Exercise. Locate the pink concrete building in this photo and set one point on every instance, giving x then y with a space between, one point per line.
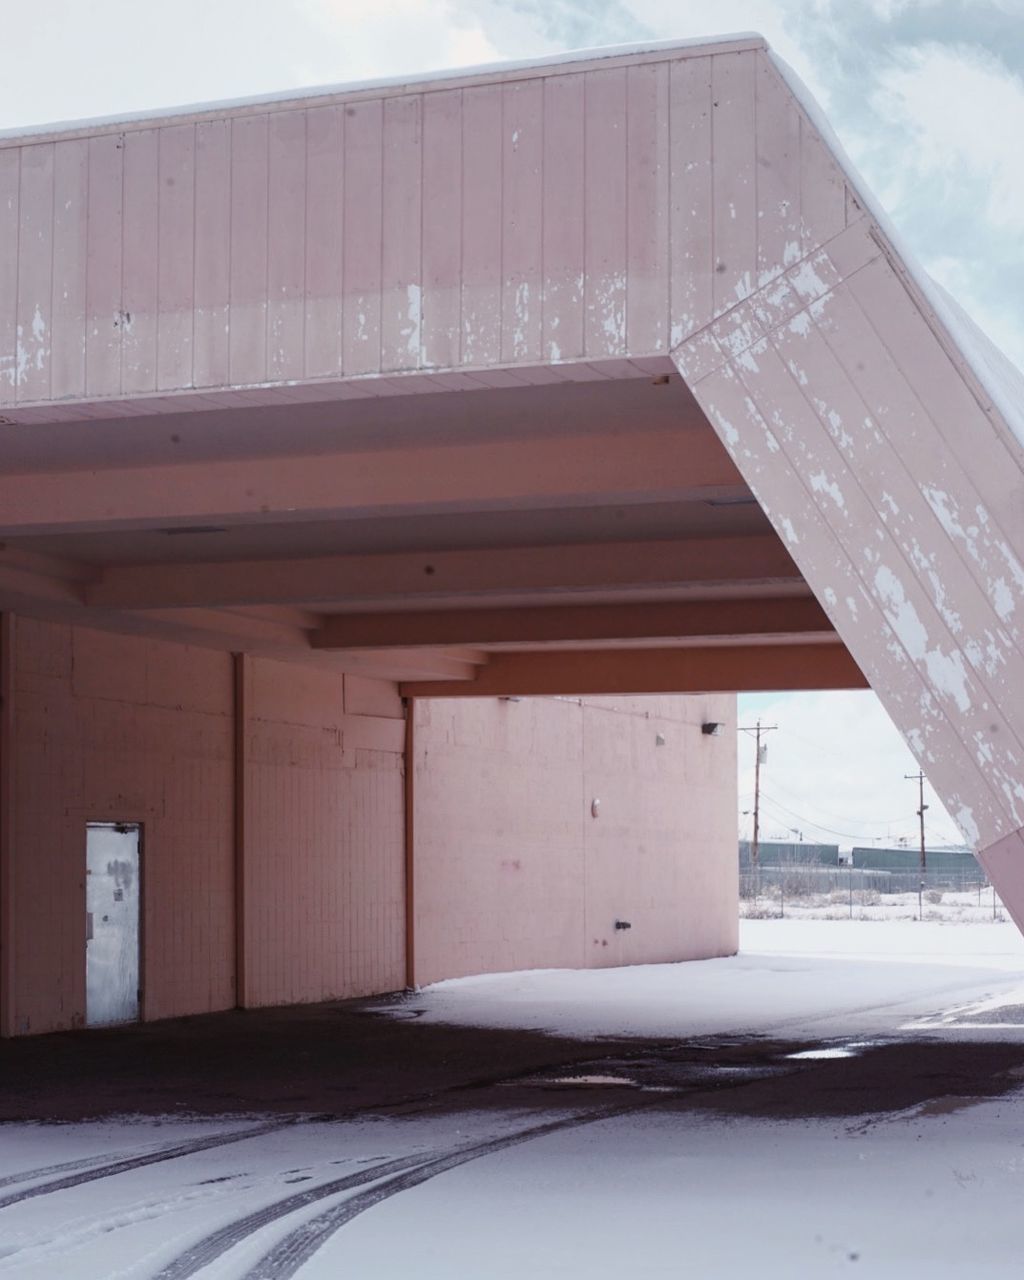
600 376
287 852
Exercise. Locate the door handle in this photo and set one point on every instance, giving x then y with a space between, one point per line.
88 926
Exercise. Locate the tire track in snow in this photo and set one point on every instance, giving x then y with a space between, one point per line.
385 1179
296 1248
211 1247
79 1172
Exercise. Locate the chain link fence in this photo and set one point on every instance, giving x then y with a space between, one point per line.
804 890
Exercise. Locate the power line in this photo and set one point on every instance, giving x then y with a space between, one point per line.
871 822
817 826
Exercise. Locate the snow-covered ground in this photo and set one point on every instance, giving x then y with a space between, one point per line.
668 1188
792 977
935 905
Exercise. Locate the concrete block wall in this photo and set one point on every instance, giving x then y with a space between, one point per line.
325 836
273 809
110 728
513 869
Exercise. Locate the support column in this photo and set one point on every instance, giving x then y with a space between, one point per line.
409 768
7 974
242 709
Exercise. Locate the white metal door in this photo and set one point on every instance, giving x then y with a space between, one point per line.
112 923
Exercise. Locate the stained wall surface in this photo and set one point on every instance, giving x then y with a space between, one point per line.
513 868
561 214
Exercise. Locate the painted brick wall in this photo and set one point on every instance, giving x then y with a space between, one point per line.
325 888
513 870
111 728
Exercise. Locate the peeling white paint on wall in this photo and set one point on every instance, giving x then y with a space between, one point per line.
410 331
789 531
820 483
945 670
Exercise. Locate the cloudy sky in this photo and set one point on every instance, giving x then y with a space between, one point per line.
926 95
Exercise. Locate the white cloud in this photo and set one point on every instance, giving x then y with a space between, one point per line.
835 771
779 23
997 313
391 37
962 112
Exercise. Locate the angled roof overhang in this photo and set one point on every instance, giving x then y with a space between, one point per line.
599 373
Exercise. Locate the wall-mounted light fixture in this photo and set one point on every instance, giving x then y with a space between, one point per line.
595 807
712 728
659 739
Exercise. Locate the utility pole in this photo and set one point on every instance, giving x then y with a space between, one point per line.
759 756
919 779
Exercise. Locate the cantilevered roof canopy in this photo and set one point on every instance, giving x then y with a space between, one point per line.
586 375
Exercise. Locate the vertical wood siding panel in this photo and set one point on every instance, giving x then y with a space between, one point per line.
176 256
70 200
947 482
779 225
481 226
606 202
757 448
822 190
563 217
968 434
402 214
212 287
249 209
442 228
647 305
522 212
35 274
362 223
325 140
10 177
141 256
104 319
286 246
860 464
734 178
692 242
895 585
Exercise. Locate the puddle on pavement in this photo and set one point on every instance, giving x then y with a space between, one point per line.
576 1082
852 1050
647 1077
822 1053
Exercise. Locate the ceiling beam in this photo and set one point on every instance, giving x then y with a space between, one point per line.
624 466
730 669
558 624
449 665
406 576
27 579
